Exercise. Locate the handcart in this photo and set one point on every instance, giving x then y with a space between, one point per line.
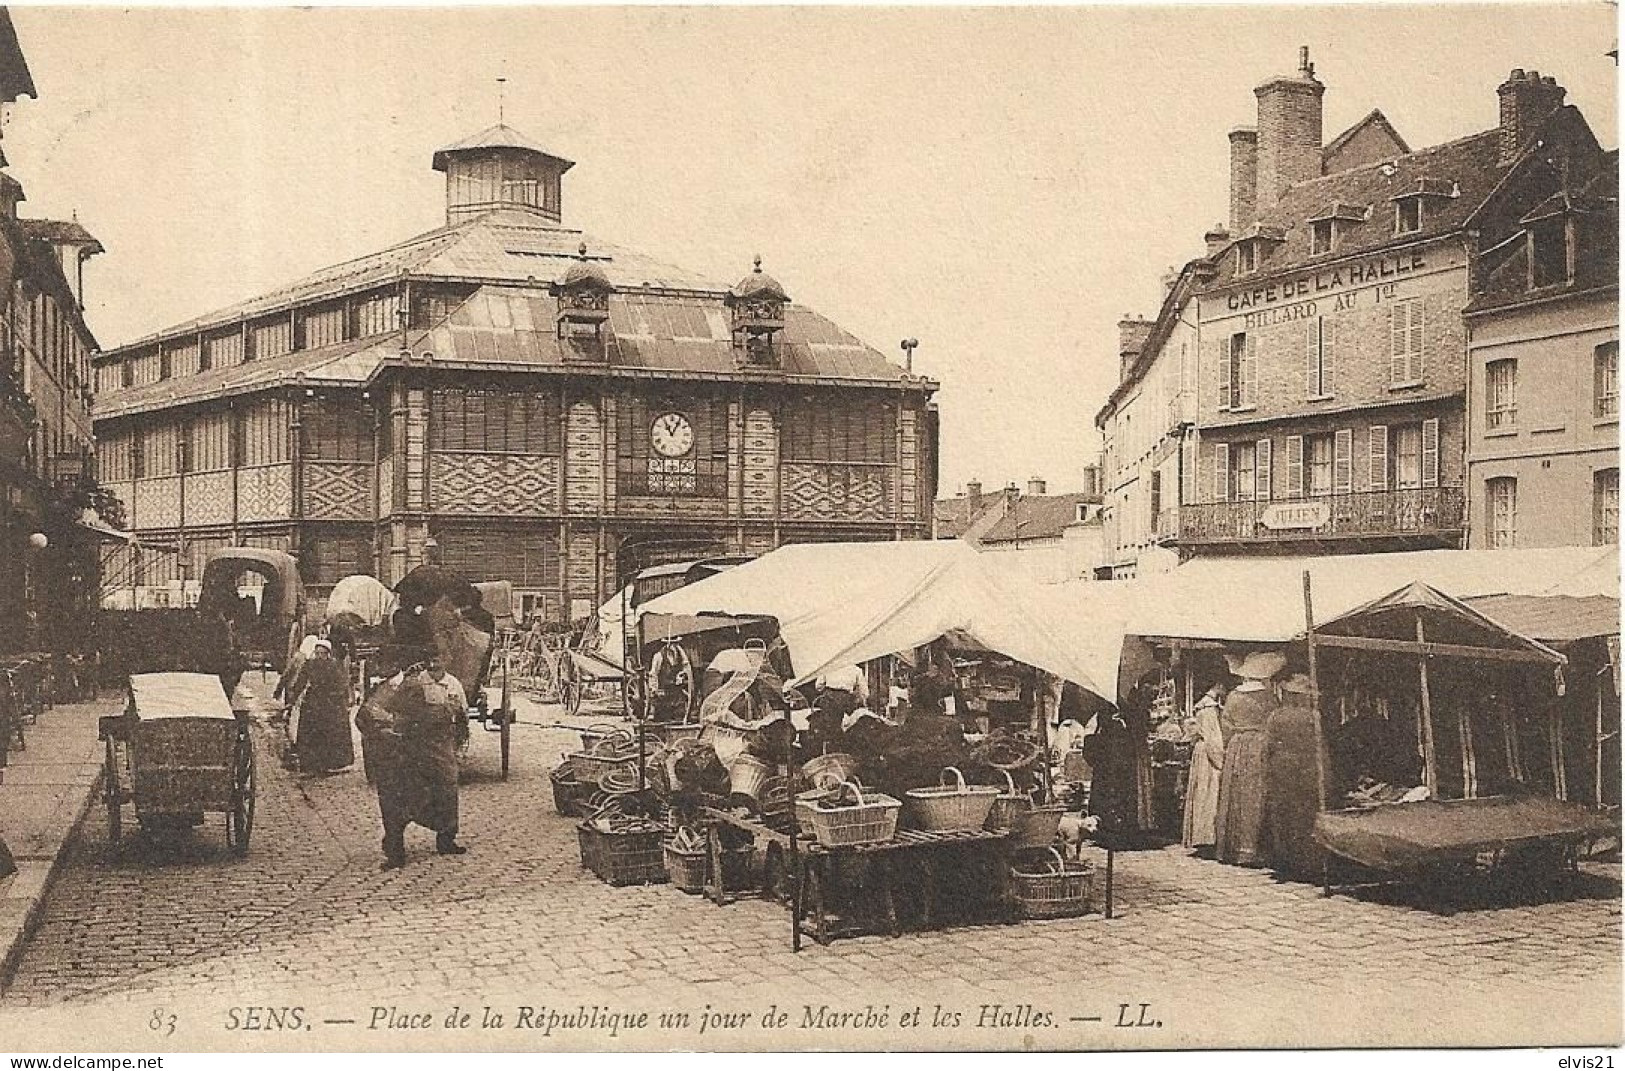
177 752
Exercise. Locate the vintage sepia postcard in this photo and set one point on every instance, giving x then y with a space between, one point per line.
809 528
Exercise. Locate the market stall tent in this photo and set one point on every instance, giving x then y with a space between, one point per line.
840 604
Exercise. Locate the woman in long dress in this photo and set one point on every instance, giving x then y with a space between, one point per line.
1292 797
1239 830
1207 761
323 740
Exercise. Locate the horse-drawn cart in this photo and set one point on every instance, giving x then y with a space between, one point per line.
177 752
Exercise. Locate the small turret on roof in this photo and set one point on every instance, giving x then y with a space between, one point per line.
501 168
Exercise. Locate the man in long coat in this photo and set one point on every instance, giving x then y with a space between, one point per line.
414 736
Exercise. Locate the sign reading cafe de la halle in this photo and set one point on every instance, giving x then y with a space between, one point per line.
514 397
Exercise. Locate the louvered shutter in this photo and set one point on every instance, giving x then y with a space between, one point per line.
1414 341
1311 358
1294 466
1396 344
1379 457
1343 461
1221 472
1328 355
1222 374
1261 481
1430 453
1249 372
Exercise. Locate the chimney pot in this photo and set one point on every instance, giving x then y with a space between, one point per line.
1215 240
1526 101
973 493
1036 486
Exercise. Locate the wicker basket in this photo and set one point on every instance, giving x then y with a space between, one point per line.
690 869
1008 808
616 752
830 769
1060 890
1038 827
872 820
629 858
950 808
568 793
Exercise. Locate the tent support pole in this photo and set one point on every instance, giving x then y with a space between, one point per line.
1048 783
1320 730
1598 749
1430 767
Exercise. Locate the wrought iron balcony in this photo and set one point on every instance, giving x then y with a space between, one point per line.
1437 512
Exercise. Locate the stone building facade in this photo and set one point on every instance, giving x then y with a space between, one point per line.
1330 411
516 400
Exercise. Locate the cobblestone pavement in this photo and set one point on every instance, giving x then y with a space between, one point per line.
308 908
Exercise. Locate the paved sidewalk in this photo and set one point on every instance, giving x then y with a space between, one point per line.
44 790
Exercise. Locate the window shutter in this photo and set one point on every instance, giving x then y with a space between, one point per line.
1415 341
1221 472
1396 343
1222 367
1430 453
1343 461
1262 481
1379 457
1311 358
1249 372
1294 466
1328 354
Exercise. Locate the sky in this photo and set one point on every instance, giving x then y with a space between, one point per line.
1003 184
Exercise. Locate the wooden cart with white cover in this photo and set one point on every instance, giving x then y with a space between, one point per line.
179 751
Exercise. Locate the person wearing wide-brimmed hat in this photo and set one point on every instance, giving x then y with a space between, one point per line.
1239 828
1292 782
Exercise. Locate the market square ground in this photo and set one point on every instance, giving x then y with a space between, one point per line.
1221 954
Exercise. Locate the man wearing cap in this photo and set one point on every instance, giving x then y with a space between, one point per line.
323 739
1240 824
414 731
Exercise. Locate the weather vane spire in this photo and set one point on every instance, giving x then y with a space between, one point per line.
502 102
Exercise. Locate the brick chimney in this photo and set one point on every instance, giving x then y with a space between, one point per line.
1036 486
1526 99
1215 240
1011 493
1243 178
1091 482
973 496
1289 132
1131 335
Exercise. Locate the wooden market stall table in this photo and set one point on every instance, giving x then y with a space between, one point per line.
814 866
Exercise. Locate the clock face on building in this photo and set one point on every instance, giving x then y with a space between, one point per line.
672 435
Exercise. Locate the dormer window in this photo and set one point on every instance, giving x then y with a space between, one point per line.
1550 260
1407 215
1246 258
1322 233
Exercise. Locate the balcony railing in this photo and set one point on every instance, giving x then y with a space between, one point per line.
1420 511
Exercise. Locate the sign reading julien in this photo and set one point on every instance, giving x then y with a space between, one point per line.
671 468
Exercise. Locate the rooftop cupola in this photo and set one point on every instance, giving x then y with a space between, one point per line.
583 292
758 315
500 168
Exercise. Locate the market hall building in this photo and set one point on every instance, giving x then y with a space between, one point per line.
1331 411
511 398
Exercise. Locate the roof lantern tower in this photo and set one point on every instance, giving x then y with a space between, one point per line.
501 168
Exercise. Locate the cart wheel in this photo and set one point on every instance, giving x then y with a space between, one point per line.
507 737
111 793
240 823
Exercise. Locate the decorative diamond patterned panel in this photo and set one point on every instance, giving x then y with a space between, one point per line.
386 487
158 502
208 498
837 492
494 484
584 482
265 494
909 456
337 491
761 459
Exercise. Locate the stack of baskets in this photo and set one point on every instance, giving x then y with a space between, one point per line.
570 793
846 816
623 850
616 751
950 808
1052 886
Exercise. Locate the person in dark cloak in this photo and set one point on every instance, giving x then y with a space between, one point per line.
323 742
415 751
1292 783
1120 767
